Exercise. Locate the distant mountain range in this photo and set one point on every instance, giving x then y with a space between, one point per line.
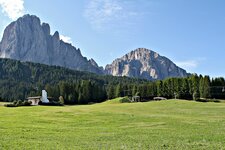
28 40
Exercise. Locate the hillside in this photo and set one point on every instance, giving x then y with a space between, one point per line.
18 80
169 124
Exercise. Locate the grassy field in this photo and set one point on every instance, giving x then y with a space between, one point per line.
170 124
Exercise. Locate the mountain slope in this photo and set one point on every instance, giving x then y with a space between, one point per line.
18 80
144 63
28 40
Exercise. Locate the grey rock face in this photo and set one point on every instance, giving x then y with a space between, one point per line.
144 63
28 40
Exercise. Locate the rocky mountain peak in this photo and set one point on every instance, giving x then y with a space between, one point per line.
92 61
46 28
141 54
144 63
56 35
29 19
26 39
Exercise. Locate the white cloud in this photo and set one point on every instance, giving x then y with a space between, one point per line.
103 13
188 64
191 64
12 8
66 39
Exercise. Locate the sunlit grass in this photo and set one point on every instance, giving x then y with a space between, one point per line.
171 124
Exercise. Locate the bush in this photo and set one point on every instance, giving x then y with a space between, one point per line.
208 100
18 103
10 105
53 103
216 101
15 102
26 103
125 100
61 100
91 103
196 96
202 100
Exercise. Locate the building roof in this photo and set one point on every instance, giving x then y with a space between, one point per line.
36 97
159 98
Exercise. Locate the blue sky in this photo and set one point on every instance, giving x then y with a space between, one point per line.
189 32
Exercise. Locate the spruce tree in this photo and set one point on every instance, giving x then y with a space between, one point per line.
206 92
118 92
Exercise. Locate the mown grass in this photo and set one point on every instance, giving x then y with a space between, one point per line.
171 124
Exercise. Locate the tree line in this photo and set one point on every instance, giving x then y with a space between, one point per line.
19 80
191 88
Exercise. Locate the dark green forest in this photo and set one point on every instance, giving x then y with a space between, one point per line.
19 80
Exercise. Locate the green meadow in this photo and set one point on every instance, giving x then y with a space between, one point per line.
170 124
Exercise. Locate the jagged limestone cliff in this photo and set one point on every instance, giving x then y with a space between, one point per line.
28 40
144 63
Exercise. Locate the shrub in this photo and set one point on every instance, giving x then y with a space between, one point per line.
10 105
61 100
15 102
216 101
91 103
26 103
196 96
53 103
18 103
125 100
208 100
202 100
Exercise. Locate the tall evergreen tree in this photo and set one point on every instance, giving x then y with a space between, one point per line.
206 92
185 89
194 87
110 92
205 87
118 91
159 88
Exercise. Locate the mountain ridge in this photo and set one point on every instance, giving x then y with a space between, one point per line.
146 64
27 39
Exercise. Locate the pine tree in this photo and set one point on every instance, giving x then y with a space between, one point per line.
185 89
159 88
134 90
195 86
205 87
110 92
206 93
118 92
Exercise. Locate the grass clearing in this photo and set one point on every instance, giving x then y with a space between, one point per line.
171 124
